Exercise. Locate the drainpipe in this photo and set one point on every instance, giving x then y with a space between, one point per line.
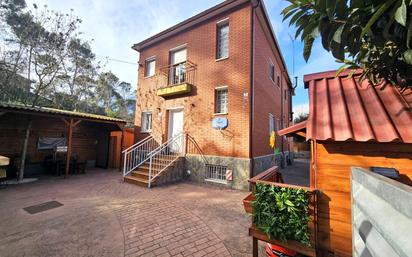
255 4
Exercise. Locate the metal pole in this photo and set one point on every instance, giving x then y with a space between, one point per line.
150 172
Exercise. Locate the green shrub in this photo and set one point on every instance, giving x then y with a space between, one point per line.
282 213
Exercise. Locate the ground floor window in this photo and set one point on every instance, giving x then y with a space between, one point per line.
146 122
216 173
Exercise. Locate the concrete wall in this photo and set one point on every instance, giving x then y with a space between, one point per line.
174 174
381 215
240 167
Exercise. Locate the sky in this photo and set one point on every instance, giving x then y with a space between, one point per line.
115 25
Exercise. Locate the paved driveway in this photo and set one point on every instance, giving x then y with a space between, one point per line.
101 216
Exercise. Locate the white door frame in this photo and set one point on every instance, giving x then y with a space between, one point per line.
171 123
169 127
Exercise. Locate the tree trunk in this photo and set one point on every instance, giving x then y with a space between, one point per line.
24 152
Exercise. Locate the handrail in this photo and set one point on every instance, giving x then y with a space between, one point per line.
161 147
166 158
137 144
138 154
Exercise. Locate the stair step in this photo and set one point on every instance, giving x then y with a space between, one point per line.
136 181
143 174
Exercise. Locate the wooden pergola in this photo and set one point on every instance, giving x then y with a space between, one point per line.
71 120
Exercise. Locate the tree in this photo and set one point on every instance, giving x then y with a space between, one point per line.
375 36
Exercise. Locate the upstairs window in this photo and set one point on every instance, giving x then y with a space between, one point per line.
150 67
278 80
146 122
271 71
271 123
221 101
222 40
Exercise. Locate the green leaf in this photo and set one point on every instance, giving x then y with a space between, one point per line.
401 14
307 49
376 16
337 37
407 56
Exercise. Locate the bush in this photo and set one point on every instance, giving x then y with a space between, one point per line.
282 213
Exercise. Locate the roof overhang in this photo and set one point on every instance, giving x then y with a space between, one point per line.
57 113
297 129
186 24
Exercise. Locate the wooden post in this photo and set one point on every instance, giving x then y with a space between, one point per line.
71 124
69 147
255 247
121 150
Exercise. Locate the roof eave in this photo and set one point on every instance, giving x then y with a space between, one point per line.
205 15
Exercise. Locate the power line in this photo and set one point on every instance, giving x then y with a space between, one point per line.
117 60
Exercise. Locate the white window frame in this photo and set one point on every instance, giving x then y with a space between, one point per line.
147 61
219 25
272 71
271 123
216 105
144 122
216 173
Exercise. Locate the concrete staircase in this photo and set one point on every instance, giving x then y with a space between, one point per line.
160 167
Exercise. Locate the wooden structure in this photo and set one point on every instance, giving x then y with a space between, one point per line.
86 135
117 146
351 125
274 178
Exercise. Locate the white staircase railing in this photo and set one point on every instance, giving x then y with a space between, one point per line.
165 155
137 154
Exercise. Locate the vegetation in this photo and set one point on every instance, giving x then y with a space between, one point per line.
44 62
282 213
375 36
301 117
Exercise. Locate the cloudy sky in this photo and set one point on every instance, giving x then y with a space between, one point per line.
115 25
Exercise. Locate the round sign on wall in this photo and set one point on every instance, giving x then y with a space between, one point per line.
219 123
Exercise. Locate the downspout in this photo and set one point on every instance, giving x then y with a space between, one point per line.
252 86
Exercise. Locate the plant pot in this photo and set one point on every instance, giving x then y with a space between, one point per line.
247 203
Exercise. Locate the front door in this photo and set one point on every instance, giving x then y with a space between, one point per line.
175 128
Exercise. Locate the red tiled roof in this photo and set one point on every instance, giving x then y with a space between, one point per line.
340 109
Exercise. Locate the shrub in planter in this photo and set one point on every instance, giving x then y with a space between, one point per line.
282 213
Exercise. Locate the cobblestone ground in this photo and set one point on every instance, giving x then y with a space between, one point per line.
102 216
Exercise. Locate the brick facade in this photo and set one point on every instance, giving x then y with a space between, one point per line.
234 72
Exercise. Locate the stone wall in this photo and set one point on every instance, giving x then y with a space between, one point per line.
196 164
174 174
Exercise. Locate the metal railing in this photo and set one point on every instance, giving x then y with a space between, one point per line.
138 153
165 155
177 74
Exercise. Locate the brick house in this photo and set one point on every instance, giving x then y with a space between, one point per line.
220 77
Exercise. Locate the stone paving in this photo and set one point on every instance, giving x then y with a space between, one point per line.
102 216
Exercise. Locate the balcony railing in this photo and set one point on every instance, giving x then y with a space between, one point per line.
176 79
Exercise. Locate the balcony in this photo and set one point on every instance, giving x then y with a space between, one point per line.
176 79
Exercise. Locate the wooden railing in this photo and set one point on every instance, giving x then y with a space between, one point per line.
273 177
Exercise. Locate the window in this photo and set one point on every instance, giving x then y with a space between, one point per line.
277 128
216 173
221 100
178 71
271 123
150 67
278 81
272 71
222 40
146 122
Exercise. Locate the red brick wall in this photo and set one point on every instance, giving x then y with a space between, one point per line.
268 95
233 72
